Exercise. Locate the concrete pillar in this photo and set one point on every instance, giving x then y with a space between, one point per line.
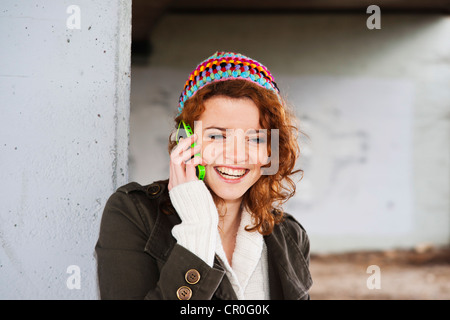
64 88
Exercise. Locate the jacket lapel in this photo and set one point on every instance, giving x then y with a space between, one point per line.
225 290
161 241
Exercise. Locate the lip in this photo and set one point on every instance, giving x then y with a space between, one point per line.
232 180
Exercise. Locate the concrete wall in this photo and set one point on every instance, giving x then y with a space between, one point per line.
374 103
63 140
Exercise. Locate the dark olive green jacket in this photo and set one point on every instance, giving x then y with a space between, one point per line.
138 258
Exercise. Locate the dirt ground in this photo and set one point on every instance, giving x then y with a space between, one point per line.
420 274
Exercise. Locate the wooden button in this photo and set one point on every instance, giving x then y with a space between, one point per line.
184 293
192 276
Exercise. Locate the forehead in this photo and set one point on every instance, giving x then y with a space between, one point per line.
230 113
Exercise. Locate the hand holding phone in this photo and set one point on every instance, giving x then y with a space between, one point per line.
185 159
184 130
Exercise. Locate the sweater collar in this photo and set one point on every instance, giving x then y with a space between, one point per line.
246 255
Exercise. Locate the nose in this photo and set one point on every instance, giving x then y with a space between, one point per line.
236 149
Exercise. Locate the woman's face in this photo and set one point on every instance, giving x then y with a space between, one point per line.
232 146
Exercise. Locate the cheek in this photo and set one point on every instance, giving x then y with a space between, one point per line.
210 151
256 175
258 155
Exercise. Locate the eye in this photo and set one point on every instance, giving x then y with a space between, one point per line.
258 140
215 136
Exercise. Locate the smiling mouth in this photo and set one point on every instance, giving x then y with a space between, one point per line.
231 174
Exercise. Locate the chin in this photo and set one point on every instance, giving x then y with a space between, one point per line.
229 195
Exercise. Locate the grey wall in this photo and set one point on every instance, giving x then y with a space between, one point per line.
63 140
374 103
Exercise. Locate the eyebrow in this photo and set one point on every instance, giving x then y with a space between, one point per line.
221 129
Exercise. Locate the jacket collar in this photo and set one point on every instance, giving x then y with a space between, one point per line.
286 281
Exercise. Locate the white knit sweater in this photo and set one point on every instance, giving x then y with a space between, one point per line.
199 234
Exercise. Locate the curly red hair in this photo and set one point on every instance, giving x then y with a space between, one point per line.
265 198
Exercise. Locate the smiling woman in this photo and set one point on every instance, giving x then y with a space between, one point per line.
224 237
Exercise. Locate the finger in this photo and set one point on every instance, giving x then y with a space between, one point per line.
177 173
182 151
188 154
178 158
197 160
184 144
178 164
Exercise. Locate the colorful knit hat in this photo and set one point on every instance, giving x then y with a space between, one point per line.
223 66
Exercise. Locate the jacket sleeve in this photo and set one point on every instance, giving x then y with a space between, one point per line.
126 271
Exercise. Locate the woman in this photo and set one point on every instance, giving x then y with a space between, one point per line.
224 237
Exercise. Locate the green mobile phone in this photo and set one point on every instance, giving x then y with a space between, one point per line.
184 131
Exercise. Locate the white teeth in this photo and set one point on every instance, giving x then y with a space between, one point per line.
231 173
234 172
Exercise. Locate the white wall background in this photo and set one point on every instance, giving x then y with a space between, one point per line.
63 140
374 103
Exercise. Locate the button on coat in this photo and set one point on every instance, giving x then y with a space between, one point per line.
184 293
192 276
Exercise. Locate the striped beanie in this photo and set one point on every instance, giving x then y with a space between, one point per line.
223 66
